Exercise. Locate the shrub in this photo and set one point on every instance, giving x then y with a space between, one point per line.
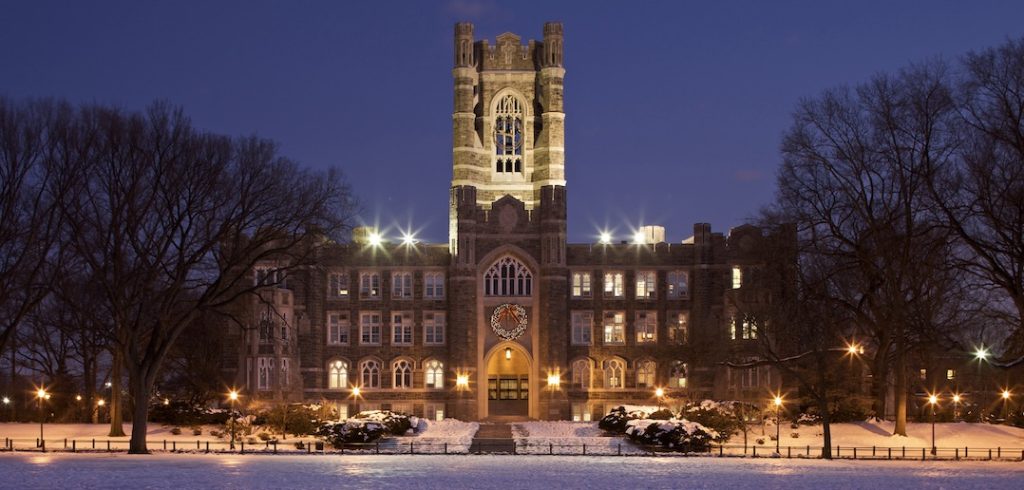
351 431
615 421
678 435
263 436
724 418
395 423
197 431
216 433
176 431
663 414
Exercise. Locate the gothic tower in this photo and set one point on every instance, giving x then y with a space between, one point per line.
508 122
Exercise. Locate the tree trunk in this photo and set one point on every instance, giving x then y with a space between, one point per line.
901 388
116 418
880 380
826 428
140 413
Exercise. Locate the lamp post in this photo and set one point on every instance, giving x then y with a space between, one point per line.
778 422
232 397
660 394
461 385
956 406
932 400
41 396
1006 401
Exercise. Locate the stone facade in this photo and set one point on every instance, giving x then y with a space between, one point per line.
601 324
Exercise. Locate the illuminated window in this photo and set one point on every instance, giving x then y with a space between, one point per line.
677 375
369 328
678 326
613 285
737 277
924 374
337 328
581 285
508 135
646 326
645 372
582 327
402 371
508 277
581 374
370 373
337 375
581 412
401 328
433 285
434 411
369 285
613 370
951 374
433 327
614 328
338 285
645 285
678 285
745 329
401 285
434 374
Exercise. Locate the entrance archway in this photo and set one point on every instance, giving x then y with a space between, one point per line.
508 381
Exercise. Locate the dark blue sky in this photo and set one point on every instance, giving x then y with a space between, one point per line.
674 109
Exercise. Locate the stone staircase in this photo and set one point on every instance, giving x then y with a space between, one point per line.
494 436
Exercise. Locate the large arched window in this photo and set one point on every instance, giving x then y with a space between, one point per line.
402 373
508 277
508 135
581 374
613 371
337 375
434 374
370 373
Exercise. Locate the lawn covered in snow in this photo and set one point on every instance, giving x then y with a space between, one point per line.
564 437
63 470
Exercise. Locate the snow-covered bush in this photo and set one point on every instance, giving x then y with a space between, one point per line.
724 418
396 423
675 434
615 421
350 431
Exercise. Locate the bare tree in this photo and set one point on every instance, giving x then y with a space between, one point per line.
170 222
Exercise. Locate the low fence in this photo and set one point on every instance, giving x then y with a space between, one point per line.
398 446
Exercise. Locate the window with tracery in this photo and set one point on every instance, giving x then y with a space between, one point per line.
581 374
337 375
645 372
508 277
434 374
508 135
613 370
403 374
370 374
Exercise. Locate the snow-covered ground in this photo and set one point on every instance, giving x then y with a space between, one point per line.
563 437
456 434
64 470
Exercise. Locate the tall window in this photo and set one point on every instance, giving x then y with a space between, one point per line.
581 374
677 375
369 372
338 285
614 328
433 285
613 285
369 285
265 372
337 375
401 328
737 277
743 329
402 371
582 327
508 135
284 372
508 277
433 328
401 285
434 374
678 285
646 326
337 328
613 371
645 372
678 326
581 285
645 285
369 328
266 327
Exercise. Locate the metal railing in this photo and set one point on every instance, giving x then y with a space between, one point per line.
396 446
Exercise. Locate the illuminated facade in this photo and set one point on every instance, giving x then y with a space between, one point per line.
536 327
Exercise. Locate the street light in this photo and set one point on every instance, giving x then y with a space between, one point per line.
660 393
461 385
233 397
605 238
41 395
981 354
554 382
956 406
778 422
932 400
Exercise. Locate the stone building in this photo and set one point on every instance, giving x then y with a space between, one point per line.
508 318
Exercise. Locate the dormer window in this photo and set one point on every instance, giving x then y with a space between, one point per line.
508 135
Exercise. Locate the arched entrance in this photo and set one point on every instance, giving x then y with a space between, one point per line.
508 381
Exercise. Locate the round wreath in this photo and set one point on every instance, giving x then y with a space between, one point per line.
508 311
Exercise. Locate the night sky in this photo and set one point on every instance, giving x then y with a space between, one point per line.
674 109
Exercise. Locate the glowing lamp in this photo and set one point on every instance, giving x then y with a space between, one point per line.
462 381
933 399
233 395
777 401
605 238
659 392
355 391
7 401
554 380
1006 394
956 398
374 239
508 353
41 393
101 402
639 238
409 239
981 354
78 398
